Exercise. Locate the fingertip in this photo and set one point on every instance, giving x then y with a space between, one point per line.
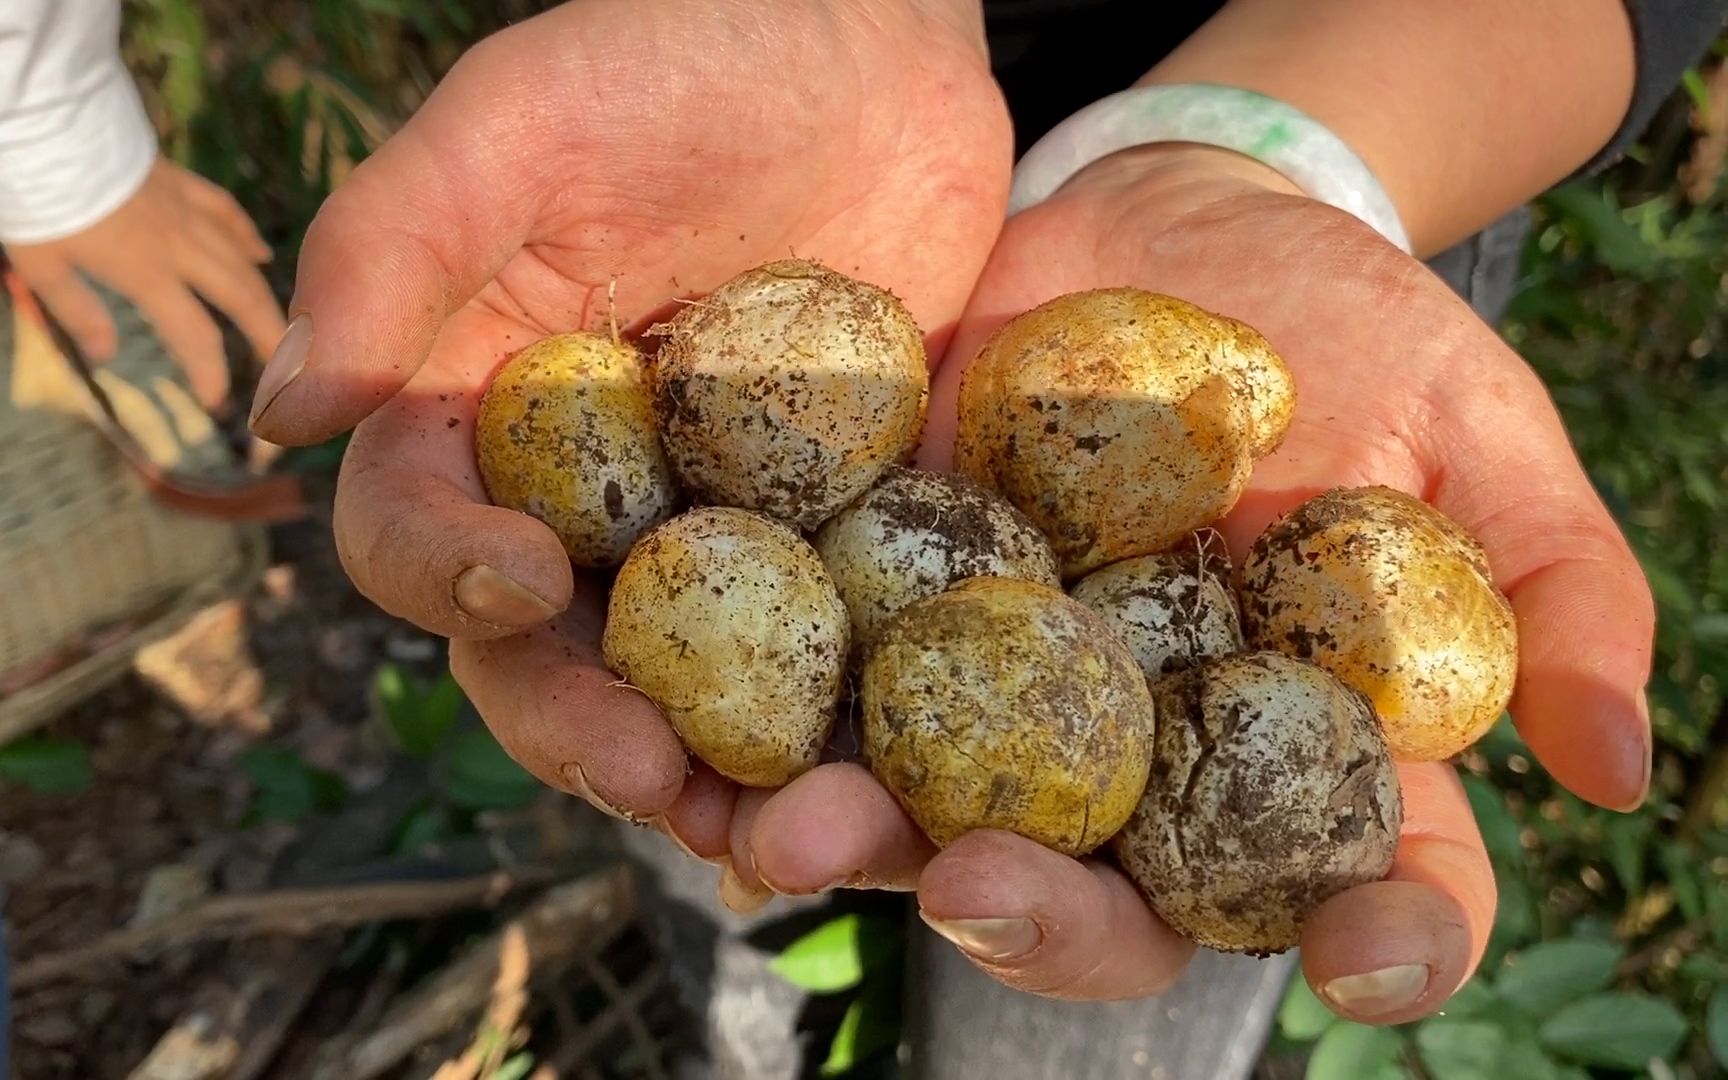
1586 630
740 888
420 548
1039 921
1387 952
699 820
1593 740
834 827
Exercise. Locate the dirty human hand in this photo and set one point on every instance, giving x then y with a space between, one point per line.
542 173
1398 383
600 161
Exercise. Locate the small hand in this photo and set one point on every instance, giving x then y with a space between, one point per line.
1398 383
179 238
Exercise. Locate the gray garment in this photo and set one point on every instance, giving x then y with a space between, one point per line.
959 1023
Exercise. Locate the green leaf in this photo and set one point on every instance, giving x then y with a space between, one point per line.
871 1024
1547 976
286 788
420 718
1474 998
1628 836
1711 626
1356 1052
1303 1017
1700 95
1680 867
1624 1031
1499 828
1603 225
1716 1024
1516 918
479 775
425 826
49 766
1704 968
843 1051
516 1067
826 960
1457 1049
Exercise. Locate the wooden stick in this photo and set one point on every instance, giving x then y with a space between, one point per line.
239 1022
639 1033
296 912
575 918
630 998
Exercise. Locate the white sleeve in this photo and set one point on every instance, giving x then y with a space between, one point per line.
75 142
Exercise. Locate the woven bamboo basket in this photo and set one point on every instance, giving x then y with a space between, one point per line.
94 564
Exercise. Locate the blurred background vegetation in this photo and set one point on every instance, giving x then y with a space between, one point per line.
1610 951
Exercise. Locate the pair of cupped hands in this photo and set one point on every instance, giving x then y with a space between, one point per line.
609 157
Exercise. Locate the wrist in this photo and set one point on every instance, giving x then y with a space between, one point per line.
1310 156
1463 109
1208 172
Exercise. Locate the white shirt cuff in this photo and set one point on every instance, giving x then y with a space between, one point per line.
66 165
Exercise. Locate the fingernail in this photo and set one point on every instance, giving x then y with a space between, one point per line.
491 597
1378 993
284 366
1641 707
664 827
738 897
576 783
989 939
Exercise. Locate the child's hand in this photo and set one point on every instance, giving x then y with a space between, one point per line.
179 239
1398 383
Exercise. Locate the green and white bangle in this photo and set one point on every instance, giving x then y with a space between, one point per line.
1263 128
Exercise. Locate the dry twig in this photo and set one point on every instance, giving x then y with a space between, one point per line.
296 912
572 919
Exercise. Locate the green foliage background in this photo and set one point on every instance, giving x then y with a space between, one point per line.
1610 952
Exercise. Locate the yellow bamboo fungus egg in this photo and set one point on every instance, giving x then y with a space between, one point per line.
1271 790
1003 704
1171 610
916 533
1120 420
566 433
1397 600
789 390
728 622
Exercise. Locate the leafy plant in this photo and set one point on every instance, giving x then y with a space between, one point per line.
851 952
419 716
286 788
48 766
475 773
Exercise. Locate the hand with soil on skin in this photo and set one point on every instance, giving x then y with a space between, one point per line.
603 160
1398 383
542 171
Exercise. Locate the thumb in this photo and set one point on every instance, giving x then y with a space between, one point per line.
418 229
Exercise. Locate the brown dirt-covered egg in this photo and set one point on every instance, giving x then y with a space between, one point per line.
728 622
1397 600
1003 704
1120 420
566 433
1171 610
789 390
916 533
1271 790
